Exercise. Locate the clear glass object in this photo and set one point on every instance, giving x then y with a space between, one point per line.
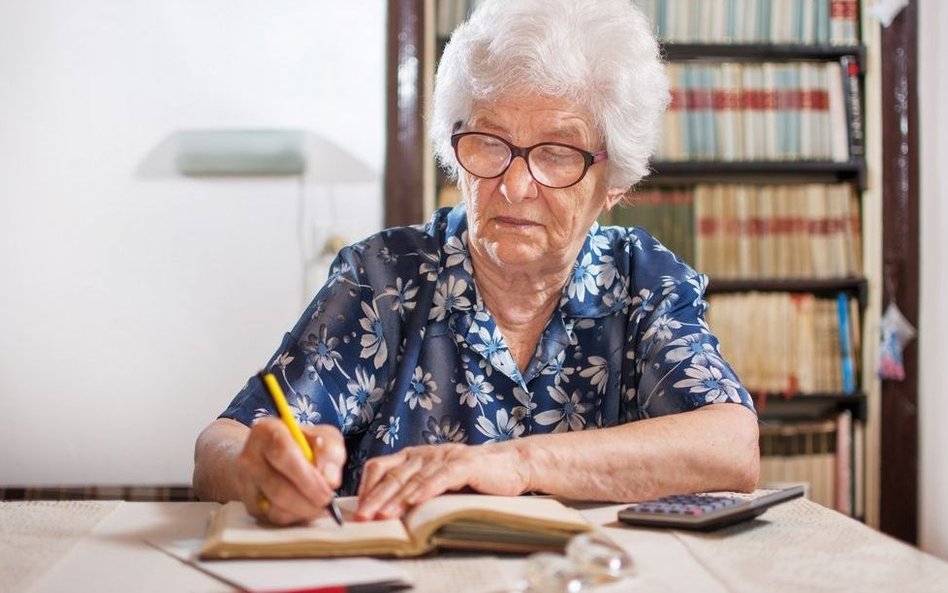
591 559
552 572
598 558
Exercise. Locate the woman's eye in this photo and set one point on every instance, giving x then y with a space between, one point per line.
556 154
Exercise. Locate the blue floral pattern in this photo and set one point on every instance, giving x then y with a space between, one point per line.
398 349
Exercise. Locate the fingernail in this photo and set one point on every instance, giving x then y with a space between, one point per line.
391 510
361 515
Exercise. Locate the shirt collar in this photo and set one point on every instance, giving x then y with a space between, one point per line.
596 287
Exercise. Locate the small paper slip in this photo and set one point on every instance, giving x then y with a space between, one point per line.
273 576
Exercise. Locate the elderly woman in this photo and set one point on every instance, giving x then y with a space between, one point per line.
512 344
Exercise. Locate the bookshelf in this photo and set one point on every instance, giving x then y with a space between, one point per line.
789 93
855 171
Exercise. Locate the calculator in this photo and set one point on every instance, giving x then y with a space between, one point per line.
704 512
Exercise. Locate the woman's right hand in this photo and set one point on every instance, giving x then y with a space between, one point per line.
277 483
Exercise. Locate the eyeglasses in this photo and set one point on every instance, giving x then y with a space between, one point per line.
551 164
591 559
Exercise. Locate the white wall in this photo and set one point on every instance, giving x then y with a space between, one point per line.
933 314
135 302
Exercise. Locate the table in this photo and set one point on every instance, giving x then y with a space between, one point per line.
795 547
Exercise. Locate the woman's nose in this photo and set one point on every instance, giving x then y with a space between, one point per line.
517 184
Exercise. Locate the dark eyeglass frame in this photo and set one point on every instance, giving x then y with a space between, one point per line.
589 158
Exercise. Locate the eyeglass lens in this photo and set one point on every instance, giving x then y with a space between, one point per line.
552 165
591 559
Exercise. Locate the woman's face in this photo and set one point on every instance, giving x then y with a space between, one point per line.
513 220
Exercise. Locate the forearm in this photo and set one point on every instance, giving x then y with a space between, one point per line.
215 460
712 448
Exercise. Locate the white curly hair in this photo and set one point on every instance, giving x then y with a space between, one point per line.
600 54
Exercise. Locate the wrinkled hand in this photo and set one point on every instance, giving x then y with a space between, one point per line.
273 466
393 483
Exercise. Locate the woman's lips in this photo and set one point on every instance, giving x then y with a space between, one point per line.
507 220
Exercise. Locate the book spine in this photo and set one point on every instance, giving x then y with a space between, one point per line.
853 99
797 78
852 19
745 238
691 119
859 460
837 22
729 32
837 128
672 127
809 22
749 21
765 17
844 461
822 14
707 78
847 364
813 105
703 229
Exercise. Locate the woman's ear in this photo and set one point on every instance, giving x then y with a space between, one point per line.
613 197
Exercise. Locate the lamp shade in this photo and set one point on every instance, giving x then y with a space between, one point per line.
240 152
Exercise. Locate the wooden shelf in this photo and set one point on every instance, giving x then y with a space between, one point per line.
819 286
758 52
817 406
690 172
744 52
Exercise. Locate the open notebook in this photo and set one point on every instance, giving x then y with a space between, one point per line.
517 524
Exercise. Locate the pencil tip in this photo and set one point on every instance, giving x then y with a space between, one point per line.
334 511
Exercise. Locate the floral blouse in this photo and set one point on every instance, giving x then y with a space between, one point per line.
398 349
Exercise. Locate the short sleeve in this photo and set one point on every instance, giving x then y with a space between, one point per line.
333 365
678 364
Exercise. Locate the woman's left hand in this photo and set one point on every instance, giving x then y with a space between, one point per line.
393 483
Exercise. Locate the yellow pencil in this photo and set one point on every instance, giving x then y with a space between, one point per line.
279 400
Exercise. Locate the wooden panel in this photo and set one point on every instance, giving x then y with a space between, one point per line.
404 145
898 497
